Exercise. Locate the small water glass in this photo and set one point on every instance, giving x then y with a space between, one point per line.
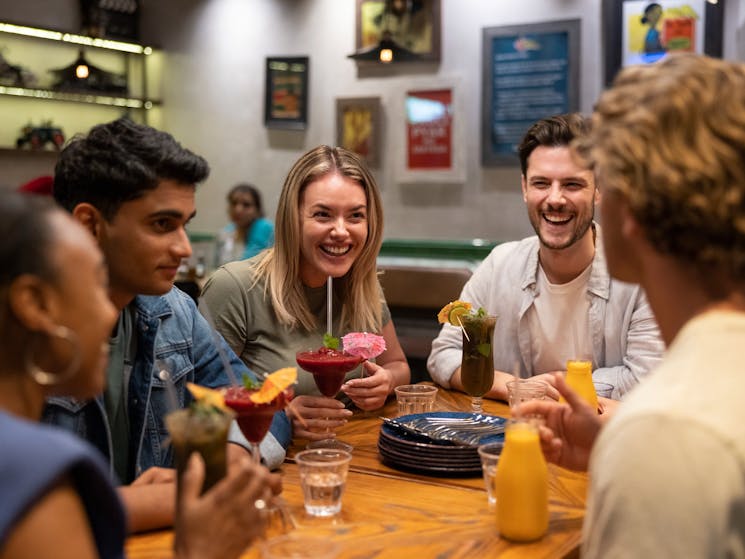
489 454
415 398
524 390
323 476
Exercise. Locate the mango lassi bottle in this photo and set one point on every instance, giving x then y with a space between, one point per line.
579 379
521 485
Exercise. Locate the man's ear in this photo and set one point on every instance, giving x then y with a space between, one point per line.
524 186
90 217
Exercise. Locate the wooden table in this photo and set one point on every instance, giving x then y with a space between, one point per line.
388 513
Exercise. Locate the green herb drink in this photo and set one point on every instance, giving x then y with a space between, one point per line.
477 366
202 428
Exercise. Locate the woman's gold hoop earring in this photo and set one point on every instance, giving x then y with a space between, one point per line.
45 378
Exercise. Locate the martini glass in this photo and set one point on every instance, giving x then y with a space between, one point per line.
254 419
328 367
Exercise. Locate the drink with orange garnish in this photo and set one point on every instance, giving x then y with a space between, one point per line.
255 407
203 428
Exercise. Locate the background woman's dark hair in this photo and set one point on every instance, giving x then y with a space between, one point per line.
25 236
648 10
246 188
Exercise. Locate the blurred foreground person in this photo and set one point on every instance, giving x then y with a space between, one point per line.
668 470
55 319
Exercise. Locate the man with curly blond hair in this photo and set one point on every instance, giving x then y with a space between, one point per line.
668 470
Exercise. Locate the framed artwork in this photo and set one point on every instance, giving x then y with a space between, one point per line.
358 127
413 24
431 125
286 93
641 32
529 72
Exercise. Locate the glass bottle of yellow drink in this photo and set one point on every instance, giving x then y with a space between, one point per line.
521 485
579 379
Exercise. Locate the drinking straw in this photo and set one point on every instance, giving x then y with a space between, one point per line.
463 329
329 296
220 351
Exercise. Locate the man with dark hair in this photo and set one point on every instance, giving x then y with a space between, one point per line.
667 471
552 294
133 188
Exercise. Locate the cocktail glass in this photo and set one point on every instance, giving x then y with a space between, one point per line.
477 365
254 419
328 367
205 433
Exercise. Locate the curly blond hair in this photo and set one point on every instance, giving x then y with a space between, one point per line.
670 137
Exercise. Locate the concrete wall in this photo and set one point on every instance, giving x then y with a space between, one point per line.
213 86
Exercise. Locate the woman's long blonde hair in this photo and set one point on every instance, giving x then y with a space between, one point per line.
279 268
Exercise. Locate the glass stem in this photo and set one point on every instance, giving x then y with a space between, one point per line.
476 404
255 453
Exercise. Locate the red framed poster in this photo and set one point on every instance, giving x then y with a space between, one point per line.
429 129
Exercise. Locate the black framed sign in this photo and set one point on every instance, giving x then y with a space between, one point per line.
642 32
286 93
529 72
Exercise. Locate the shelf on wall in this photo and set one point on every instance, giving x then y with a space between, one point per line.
90 98
76 39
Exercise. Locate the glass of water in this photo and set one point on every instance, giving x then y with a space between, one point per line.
489 454
323 475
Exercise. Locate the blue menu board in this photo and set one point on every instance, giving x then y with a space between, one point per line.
530 75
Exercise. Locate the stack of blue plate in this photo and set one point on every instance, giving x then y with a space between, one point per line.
405 450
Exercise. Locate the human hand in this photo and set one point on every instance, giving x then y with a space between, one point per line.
550 380
221 523
321 416
607 407
156 475
570 429
370 392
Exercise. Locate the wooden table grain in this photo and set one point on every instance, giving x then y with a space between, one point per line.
388 513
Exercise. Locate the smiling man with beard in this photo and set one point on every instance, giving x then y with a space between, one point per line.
551 292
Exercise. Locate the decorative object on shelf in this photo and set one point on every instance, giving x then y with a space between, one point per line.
358 127
530 71
14 75
81 75
37 137
397 31
286 93
116 19
641 32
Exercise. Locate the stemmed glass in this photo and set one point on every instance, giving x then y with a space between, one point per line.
477 365
254 419
328 367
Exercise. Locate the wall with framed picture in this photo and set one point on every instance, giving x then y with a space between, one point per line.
529 72
286 92
413 24
642 32
358 127
430 125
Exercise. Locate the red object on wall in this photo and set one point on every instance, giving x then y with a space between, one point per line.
429 123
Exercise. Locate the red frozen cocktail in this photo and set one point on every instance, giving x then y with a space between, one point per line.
254 419
328 367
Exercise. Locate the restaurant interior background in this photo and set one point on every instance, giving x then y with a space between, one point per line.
208 72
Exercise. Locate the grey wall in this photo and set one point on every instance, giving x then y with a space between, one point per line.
213 83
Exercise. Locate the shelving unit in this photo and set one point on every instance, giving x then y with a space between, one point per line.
41 50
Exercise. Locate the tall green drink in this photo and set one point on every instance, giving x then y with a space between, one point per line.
477 365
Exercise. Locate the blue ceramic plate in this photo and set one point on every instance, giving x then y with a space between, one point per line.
463 428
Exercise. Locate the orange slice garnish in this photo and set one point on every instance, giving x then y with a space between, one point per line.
274 384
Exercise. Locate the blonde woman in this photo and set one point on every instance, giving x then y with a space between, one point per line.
329 223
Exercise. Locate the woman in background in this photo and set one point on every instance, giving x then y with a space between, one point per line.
55 321
248 232
329 224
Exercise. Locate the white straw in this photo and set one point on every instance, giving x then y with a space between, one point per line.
329 295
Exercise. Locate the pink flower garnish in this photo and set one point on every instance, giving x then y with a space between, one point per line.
363 344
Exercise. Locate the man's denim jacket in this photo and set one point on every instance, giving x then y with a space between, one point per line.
171 331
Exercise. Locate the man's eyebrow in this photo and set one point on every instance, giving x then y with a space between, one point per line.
172 213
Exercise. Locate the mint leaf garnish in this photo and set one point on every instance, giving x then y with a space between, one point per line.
484 349
330 341
250 383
